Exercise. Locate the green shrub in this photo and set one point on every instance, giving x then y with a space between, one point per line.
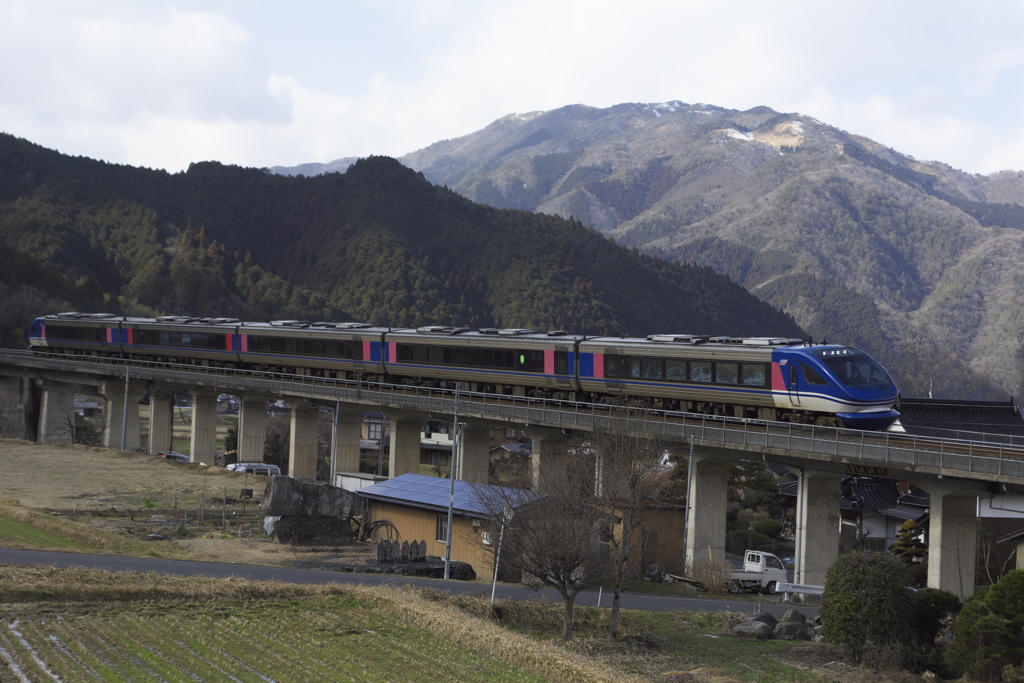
866 602
931 607
985 633
772 528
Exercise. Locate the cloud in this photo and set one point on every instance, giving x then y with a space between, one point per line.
266 84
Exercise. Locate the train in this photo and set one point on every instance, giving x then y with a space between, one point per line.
765 378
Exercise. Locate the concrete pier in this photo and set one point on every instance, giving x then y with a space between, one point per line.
817 525
204 427
161 421
303 441
252 428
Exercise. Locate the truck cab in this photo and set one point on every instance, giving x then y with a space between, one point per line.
761 571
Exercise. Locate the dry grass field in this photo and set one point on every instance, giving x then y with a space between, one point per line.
84 625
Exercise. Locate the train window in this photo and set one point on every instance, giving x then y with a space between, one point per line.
652 368
318 347
631 367
561 362
611 365
435 355
530 361
302 346
330 348
89 334
812 376
675 370
727 373
753 375
277 345
700 371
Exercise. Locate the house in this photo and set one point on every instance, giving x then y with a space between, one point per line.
416 506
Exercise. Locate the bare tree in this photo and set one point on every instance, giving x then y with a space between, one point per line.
553 537
627 482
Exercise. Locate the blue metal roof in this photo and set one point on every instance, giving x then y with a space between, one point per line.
431 493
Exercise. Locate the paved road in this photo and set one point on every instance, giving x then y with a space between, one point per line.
630 600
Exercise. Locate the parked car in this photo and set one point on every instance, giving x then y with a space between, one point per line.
255 468
176 457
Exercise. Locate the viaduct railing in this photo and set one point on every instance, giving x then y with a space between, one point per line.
963 457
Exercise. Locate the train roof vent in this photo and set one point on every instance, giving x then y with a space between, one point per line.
771 341
678 338
174 319
488 330
352 326
427 329
102 316
224 321
71 314
512 332
556 333
459 330
290 323
725 340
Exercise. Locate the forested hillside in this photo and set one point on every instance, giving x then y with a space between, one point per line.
920 264
378 244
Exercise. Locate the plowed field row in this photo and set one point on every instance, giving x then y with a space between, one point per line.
309 640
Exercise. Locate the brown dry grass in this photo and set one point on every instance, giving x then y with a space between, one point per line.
122 492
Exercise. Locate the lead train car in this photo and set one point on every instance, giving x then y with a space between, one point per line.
764 378
761 377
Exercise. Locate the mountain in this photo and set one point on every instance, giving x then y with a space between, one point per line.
378 244
916 262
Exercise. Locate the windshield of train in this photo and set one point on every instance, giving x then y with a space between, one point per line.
853 368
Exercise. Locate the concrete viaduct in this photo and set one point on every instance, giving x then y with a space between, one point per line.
954 472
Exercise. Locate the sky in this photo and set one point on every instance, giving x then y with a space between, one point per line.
162 84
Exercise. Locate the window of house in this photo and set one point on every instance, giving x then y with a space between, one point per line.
511 433
442 529
374 431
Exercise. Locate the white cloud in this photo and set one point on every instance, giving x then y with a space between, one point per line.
265 84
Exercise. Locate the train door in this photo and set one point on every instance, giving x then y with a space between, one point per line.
793 383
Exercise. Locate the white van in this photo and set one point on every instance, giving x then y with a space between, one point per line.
255 468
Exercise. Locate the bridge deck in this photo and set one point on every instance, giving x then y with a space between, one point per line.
865 453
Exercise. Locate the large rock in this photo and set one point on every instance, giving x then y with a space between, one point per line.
313 530
287 497
766 618
752 629
792 630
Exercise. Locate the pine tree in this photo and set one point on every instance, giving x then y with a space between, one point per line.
908 546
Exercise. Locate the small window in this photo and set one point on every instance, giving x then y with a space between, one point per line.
561 362
675 370
812 376
652 368
511 432
700 371
442 529
727 373
373 431
487 538
753 375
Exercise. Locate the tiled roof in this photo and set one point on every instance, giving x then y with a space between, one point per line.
432 493
924 415
906 512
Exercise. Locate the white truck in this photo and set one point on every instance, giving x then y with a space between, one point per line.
762 572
